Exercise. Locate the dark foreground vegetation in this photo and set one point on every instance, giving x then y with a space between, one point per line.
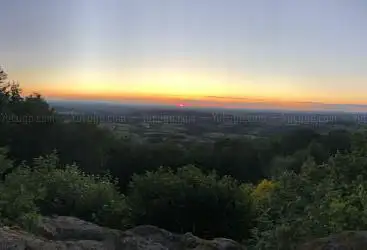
271 192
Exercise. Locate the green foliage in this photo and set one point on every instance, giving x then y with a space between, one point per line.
318 152
190 200
288 163
74 193
71 192
297 139
338 140
3 75
45 188
320 200
5 163
262 192
17 201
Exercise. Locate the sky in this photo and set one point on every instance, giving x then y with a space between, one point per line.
234 50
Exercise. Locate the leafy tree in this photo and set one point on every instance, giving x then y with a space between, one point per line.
44 188
238 158
3 75
71 192
338 140
288 163
189 200
90 145
17 203
3 89
263 191
318 152
320 200
297 139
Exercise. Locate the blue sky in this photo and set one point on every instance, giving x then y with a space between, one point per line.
313 50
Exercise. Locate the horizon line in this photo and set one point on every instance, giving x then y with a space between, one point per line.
326 107
204 98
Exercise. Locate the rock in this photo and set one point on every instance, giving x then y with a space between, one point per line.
70 228
70 233
350 240
227 244
20 240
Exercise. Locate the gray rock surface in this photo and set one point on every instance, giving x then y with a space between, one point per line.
70 233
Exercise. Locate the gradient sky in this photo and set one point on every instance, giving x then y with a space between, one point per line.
314 50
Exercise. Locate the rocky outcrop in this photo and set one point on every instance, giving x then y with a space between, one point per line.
74 234
352 240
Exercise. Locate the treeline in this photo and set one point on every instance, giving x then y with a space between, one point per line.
258 190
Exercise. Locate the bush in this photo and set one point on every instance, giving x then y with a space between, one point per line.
288 163
320 200
189 200
71 192
44 188
17 202
262 192
18 205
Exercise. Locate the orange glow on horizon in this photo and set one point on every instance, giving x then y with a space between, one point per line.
177 85
216 100
190 101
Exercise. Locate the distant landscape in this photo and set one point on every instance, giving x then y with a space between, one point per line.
184 124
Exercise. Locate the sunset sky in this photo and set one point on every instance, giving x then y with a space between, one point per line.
231 51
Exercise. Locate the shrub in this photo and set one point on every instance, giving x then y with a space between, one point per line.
50 190
189 200
17 202
262 192
320 200
71 192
